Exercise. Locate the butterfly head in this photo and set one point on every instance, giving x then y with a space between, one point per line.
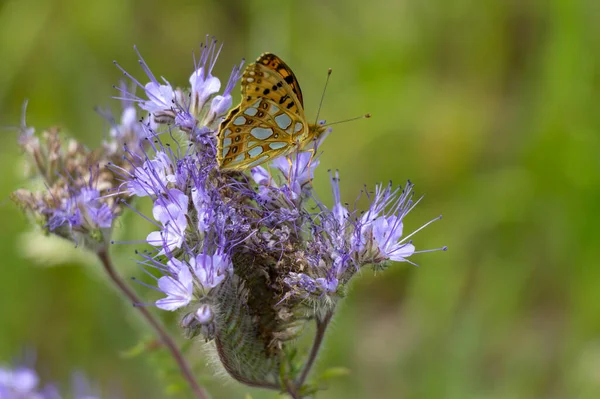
316 133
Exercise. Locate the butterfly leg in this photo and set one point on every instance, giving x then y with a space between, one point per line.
312 152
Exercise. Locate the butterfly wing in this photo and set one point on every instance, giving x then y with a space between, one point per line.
270 119
257 132
276 64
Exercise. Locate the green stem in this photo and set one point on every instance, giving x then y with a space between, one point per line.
162 333
319 335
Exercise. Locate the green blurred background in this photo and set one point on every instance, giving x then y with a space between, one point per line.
490 107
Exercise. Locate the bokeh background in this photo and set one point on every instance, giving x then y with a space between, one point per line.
491 108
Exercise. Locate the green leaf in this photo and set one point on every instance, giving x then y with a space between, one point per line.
333 372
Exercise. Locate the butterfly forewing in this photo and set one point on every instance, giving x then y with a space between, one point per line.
274 63
259 81
269 122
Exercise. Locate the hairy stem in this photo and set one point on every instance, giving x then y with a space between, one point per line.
162 333
319 335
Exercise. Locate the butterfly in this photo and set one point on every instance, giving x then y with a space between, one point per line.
270 120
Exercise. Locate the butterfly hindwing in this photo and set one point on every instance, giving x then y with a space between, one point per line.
260 130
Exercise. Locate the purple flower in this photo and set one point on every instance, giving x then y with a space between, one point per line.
202 272
304 285
212 270
20 382
100 215
202 204
94 212
152 177
387 232
179 290
221 103
191 107
171 212
204 314
203 84
82 211
339 211
298 168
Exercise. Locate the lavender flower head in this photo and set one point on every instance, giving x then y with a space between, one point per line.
80 196
249 258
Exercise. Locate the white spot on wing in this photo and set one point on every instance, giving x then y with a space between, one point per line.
239 158
283 121
277 145
299 126
256 151
240 120
261 133
259 161
225 144
250 111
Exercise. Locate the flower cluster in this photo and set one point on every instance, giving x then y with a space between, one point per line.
248 257
78 198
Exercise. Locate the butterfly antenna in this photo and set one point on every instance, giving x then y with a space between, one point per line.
365 116
323 95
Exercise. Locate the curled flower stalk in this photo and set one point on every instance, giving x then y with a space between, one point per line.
250 258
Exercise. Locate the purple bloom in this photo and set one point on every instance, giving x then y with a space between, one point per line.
212 270
202 272
221 103
20 382
298 168
203 84
160 97
101 215
189 108
304 285
204 314
23 383
202 204
179 290
152 177
171 212
82 211
387 233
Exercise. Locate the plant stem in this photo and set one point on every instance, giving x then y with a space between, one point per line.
319 335
162 333
291 389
